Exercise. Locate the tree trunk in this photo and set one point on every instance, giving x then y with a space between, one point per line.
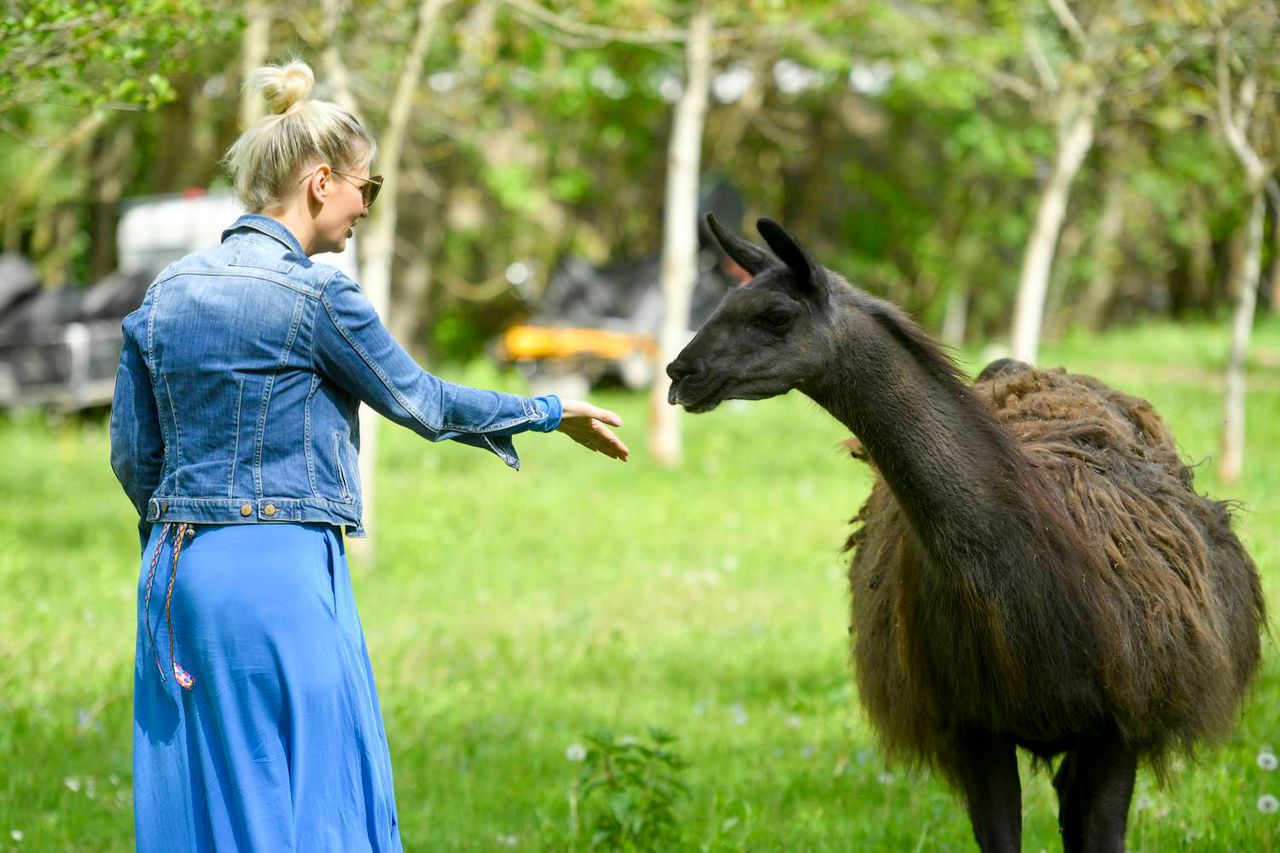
956 317
335 70
107 179
1075 138
377 244
1200 262
201 139
1246 296
680 237
1100 291
414 291
253 55
1273 191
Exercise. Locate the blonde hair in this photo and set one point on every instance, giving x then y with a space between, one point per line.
266 162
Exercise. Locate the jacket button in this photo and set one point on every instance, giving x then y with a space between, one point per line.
269 510
246 510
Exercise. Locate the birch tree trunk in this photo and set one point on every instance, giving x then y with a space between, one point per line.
1235 112
1246 296
335 70
255 45
956 318
1075 138
680 233
1273 192
377 243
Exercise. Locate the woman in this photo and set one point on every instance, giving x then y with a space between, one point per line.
234 433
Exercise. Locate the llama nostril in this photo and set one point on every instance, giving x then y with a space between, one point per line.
677 370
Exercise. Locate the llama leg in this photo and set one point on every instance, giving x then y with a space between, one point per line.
1069 822
1095 785
988 771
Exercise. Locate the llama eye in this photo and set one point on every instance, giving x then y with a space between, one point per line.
778 319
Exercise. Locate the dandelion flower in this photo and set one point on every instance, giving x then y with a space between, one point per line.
17 835
1268 804
1267 760
575 752
72 783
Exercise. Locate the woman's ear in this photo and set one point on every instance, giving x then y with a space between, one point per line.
318 182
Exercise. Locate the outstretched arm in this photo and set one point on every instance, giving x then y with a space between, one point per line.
356 351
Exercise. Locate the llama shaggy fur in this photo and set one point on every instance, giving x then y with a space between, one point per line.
1152 626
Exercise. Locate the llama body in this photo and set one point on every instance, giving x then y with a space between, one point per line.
1163 637
1033 567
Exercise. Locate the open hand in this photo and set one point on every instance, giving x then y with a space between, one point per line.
589 426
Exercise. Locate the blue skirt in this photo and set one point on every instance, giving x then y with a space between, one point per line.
277 743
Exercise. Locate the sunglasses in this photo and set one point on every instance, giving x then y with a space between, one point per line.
369 189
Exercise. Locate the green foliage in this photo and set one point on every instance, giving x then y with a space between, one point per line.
529 142
628 792
90 53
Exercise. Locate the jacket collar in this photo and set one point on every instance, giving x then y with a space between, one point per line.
266 225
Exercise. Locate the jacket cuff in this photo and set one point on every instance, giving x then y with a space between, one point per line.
551 409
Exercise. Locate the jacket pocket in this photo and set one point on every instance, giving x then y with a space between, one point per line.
337 463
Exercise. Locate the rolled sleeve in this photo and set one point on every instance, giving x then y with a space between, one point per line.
356 351
137 444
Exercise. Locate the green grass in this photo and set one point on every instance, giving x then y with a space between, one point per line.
509 615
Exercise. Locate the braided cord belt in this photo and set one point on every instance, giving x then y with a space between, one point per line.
182 533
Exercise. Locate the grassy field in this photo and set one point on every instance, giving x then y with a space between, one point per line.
512 615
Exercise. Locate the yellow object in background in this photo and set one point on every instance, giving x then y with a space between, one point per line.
534 343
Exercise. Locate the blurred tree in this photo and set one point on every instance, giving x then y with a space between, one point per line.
1245 51
255 47
1094 52
680 237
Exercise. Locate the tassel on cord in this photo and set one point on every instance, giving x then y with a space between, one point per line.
183 532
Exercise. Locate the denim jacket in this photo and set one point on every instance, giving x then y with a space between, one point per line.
240 379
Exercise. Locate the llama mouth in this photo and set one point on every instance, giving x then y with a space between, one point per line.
679 396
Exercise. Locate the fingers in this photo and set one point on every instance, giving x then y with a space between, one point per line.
610 444
608 417
582 409
589 426
597 437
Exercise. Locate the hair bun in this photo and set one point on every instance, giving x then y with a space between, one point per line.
284 86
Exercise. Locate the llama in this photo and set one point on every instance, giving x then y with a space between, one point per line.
1033 567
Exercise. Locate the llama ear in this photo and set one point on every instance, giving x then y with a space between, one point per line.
748 255
804 267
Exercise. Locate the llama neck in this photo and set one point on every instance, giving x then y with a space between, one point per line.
956 473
